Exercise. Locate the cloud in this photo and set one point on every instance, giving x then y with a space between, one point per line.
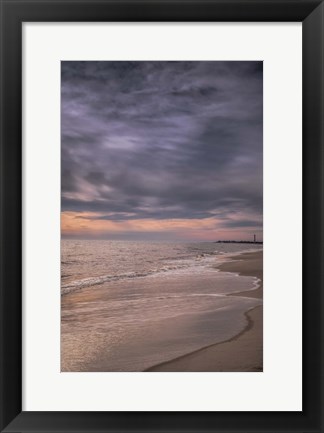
162 140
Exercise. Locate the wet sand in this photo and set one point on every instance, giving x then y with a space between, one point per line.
249 264
244 352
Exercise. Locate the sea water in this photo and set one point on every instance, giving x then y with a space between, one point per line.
127 306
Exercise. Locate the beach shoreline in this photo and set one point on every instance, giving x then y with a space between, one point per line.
242 352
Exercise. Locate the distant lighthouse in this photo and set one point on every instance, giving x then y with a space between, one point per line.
254 238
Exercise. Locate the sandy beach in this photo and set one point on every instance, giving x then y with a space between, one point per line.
189 318
243 352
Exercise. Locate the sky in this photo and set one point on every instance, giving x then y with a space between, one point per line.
161 150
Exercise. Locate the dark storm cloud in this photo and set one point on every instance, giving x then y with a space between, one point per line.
162 139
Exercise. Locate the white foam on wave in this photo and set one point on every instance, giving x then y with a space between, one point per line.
93 281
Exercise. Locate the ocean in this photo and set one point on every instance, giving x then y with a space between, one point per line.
127 306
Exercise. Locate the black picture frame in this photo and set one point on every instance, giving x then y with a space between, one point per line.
13 14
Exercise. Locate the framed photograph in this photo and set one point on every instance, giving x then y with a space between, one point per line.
161 216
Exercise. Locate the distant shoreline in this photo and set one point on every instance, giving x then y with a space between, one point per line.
239 242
